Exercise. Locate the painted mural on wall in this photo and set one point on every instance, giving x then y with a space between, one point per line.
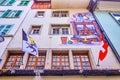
85 30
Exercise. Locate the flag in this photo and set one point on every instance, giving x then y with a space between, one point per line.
104 49
28 44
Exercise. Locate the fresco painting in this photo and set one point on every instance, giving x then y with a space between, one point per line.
85 30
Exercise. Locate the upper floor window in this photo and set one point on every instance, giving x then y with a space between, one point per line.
41 5
116 16
60 14
4 29
60 60
35 29
11 14
36 62
60 29
40 14
14 61
7 2
81 60
24 3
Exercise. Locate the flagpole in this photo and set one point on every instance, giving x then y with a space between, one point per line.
98 62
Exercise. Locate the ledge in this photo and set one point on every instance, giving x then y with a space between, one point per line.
61 72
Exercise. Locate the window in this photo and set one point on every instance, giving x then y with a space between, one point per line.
40 14
11 13
36 62
4 29
35 29
60 60
116 16
81 60
7 2
60 29
14 61
42 5
24 3
60 14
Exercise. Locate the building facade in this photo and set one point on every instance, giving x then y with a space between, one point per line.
68 39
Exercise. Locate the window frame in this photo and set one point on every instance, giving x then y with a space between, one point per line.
60 13
12 58
7 3
79 55
114 17
5 27
59 58
35 27
42 13
60 28
42 55
21 3
11 14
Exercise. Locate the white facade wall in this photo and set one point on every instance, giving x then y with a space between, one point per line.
53 42
50 42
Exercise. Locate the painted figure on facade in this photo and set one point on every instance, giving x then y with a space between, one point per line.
85 29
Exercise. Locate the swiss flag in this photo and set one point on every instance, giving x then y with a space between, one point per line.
104 49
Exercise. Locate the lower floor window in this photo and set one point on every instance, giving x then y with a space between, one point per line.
36 62
60 60
81 61
14 61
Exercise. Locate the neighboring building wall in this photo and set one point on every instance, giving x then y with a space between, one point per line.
108 5
68 4
111 28
16 22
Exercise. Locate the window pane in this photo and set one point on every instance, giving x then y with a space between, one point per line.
35 29
65 31
60 61
60 29
14 61
81 61
55 30
40 14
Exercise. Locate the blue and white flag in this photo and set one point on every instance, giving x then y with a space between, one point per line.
28 44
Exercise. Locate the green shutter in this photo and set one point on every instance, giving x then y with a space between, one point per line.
26 2
18 13
2 2
21 3
1 29
4 29
11 2
6 13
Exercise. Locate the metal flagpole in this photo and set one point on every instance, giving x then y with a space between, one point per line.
98 62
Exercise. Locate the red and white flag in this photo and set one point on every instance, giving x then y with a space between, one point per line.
104 49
